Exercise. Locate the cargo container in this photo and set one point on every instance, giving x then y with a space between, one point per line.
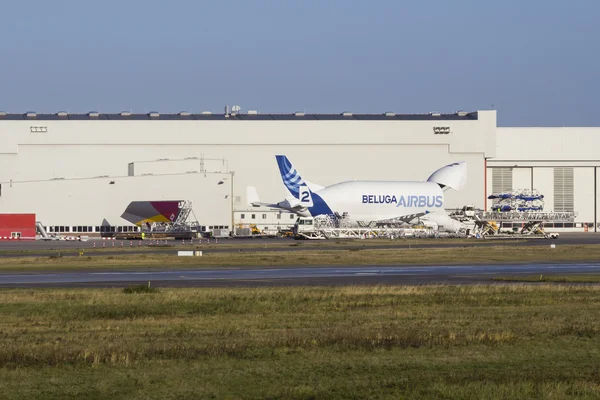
17 226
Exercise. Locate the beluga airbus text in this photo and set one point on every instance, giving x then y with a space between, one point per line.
365 202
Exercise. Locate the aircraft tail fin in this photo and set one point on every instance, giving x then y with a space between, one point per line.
291 178
252 195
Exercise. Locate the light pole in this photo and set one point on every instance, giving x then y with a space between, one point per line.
231 194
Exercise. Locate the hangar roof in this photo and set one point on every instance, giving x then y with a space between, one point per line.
125 116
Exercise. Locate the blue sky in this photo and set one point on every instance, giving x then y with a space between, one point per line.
536 62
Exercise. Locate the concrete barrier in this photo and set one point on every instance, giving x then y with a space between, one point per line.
188 253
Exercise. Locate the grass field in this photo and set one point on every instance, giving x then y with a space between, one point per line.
313 257
149 245
551 278
450 342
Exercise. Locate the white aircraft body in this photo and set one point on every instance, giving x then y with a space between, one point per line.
365 202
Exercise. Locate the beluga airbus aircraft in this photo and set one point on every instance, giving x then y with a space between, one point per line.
368 202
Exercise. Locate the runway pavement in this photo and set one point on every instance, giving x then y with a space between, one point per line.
324 275
68 248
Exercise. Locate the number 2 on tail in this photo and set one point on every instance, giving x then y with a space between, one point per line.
305 197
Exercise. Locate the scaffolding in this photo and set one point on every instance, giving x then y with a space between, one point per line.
488 224
340 227
477 224
179 224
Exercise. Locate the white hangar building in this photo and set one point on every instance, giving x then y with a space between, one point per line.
78 172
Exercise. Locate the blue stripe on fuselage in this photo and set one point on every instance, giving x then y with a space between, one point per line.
319 206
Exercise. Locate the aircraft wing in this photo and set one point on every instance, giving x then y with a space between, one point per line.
277 206
261 204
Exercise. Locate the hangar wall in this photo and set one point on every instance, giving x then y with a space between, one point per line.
561 163
96 202
324 151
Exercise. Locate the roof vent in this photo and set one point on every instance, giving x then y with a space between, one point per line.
435 114
206 112
154 115
299 114
184 113
462 113
347 114
390 114
125 114
62 113
93 114
31 114
252 112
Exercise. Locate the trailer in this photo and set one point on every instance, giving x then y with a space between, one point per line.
333 227
492 224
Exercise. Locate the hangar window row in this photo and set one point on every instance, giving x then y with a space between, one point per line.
264 216
90 229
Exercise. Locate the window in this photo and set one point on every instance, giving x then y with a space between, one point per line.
264 216
441 130
563 189
291 216
278 216
242 216
253 216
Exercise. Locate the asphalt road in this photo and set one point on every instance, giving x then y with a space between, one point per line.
11 248
325 275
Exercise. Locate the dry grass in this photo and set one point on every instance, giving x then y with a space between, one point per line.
249 244
343 342
314 257
551 278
